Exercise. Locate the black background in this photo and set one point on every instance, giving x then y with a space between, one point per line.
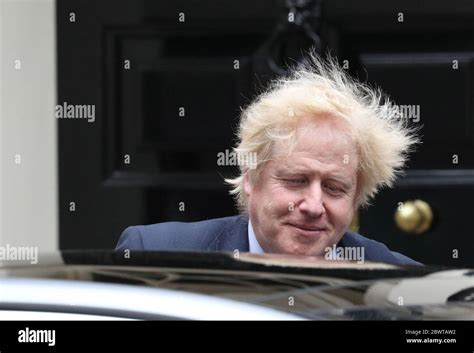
191 65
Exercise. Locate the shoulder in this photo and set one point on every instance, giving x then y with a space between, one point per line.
374 250
173 235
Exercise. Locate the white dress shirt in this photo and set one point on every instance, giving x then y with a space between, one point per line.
254 246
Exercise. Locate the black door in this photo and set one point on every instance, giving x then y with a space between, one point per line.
167 80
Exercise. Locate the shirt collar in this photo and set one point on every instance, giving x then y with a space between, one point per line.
254 246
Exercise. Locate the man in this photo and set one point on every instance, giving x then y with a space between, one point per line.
324 145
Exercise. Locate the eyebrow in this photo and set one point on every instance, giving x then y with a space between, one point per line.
347 182
292 169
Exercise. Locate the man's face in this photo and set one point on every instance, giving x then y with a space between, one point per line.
304 202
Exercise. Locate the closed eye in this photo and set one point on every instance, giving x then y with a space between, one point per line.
295 181
334 189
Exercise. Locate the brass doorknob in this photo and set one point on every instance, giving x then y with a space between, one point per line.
414 216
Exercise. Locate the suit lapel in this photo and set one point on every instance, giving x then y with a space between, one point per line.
371 252
234 236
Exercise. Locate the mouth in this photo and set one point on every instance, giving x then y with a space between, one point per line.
307 229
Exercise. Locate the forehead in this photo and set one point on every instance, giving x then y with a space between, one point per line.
324 144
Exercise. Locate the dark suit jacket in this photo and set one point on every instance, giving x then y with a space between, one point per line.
228 234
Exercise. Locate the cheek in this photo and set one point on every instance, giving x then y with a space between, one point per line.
342 213
281 201
271 203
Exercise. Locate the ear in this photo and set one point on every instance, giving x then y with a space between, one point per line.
247 185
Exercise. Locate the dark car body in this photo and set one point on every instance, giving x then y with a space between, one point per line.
225 286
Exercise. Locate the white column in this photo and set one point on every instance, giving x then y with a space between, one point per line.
28 165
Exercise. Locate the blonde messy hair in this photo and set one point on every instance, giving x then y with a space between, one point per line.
319 89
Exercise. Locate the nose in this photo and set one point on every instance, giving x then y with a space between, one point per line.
312 204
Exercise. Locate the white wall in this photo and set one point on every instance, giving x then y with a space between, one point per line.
28 191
